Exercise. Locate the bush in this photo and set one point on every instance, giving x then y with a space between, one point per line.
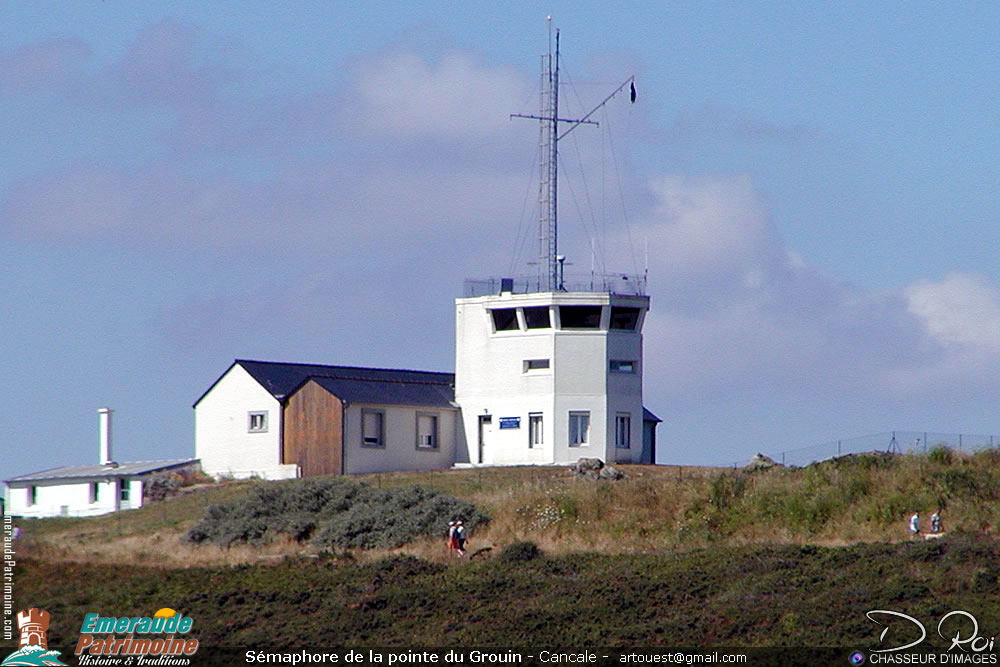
941 454
333 512
520 552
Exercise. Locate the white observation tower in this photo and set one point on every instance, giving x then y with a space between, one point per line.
549 370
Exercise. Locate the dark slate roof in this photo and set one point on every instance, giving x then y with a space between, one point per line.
648 416
387 392
130 469
281 378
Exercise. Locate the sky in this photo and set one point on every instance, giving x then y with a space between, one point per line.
812 188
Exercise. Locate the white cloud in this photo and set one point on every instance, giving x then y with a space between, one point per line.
403 94
962 309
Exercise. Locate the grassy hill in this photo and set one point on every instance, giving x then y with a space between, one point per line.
669 556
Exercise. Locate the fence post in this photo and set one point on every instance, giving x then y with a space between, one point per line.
782 458
838 448
959 442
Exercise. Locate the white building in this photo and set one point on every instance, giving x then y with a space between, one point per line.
545 372
88 490
277 420
551 376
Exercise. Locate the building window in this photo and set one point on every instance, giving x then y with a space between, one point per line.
579 429
123 490
372 422
622 366
537 317
32 495
257 422
580 317
624 318
536 365
535 437
623 430
505 319
95 489
427 427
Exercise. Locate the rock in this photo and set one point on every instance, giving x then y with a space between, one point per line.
760 462
611 472
587 467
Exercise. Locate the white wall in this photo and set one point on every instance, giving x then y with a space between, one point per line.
490 379
71 497
222 438
400 450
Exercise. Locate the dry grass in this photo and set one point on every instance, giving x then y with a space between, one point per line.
656 509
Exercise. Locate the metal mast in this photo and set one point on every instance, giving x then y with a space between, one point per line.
548 186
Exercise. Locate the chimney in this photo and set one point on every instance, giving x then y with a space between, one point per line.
105 420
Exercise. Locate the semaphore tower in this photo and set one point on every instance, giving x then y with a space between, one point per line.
548 369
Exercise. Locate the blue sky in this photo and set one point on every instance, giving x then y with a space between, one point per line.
187 183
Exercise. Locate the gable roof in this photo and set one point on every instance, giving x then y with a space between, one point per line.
282 378
389 392
97 470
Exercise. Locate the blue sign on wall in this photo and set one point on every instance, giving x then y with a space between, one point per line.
510 422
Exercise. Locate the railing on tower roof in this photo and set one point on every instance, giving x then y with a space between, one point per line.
606 283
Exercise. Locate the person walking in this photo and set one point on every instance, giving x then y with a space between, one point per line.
936 522
452 540
915 524
460 537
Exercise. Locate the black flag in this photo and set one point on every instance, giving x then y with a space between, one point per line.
632 92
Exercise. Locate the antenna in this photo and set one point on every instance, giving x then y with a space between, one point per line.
548 186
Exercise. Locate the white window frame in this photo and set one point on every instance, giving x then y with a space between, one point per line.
536 430
376 441
579 428
623 366
124 491
257 421
95 492
623 430
537 365
422 443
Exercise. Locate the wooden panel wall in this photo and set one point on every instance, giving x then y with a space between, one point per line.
313 434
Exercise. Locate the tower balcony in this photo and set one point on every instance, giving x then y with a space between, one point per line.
603 283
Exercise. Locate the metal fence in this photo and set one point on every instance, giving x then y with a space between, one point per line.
896 442
616 283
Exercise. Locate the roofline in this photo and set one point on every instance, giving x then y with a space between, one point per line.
168 463
444 374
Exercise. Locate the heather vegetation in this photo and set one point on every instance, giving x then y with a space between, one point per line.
666 556
333 512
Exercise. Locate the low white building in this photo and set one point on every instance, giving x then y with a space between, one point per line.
277 420
88 490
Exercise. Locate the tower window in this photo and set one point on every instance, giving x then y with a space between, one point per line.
624 318
579 429
537 317
535 437
505 319
580 317
622 366
623 430
535 364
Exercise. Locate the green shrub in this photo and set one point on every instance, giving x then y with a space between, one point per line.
520 552
941 454
333 512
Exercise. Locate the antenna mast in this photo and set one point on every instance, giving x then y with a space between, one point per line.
548 186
